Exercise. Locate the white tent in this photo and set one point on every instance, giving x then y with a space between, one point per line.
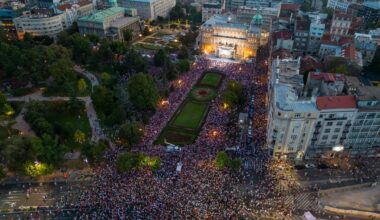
179 167
308 216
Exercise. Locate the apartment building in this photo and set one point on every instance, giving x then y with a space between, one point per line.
341 24
210 9
331 114
149 9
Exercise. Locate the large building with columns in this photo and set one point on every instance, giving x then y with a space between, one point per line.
223 36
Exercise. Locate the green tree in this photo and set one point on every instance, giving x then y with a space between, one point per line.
131 133
235 164
230 98
183 65
79 136
37 169
3 102
183 53
128 161
146 31
82 86
160 58
143 91
128 35
103 99
221 160
375 65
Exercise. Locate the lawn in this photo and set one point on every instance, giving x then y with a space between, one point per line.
184 126
211 79
190 115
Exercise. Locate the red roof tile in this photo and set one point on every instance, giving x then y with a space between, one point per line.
335 40
64 7
309 63
282 34
328 77
335 102
292 7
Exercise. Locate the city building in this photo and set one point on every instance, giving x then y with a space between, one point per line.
7 14
332 114
110 23
363 137
244 14
366 46
282 39
234 4
223 36
341 5
301 34
292 117
316 31
42 22
375 34
210 9
370 11
149 9
335 115
333 46
341 23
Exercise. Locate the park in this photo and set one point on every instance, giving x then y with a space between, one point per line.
187 121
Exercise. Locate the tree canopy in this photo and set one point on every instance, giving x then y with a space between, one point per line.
143 91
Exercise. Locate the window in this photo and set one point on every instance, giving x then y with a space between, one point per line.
334 137
336 130
297 115
290 148
325 137
339 123
327 130
329 123
293 137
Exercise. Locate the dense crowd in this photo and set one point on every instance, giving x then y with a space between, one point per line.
199 190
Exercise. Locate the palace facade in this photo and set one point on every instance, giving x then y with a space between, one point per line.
224 37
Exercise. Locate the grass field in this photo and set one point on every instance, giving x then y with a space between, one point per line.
191 115
211 79
186 123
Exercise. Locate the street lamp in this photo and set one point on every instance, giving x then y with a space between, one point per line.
338 148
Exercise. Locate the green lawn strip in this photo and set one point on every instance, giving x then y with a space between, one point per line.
190 115
211 79
184 126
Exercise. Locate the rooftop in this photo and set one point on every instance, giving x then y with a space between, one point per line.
291 7
309 63
335 102
335 40
342 16
282 34
120 22
327 77
373 5
302 25
212 5
288 100
100 16
282 53
361 90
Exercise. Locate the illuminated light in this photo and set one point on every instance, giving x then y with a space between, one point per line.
338 148
175 40
225 105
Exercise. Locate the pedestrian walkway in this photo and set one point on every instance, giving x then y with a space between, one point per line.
97 132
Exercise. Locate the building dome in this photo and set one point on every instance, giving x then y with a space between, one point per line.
257 19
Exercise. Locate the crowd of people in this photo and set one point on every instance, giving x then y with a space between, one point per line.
199 190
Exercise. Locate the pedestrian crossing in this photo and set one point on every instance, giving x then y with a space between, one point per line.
304 201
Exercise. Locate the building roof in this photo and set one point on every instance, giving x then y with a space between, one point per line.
65 6
374 5
335 40
100 16
302 25
212 5
282 53
342 16
335 102
361 90
84 2
327 77
309 63
124 21
282 34
290 7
